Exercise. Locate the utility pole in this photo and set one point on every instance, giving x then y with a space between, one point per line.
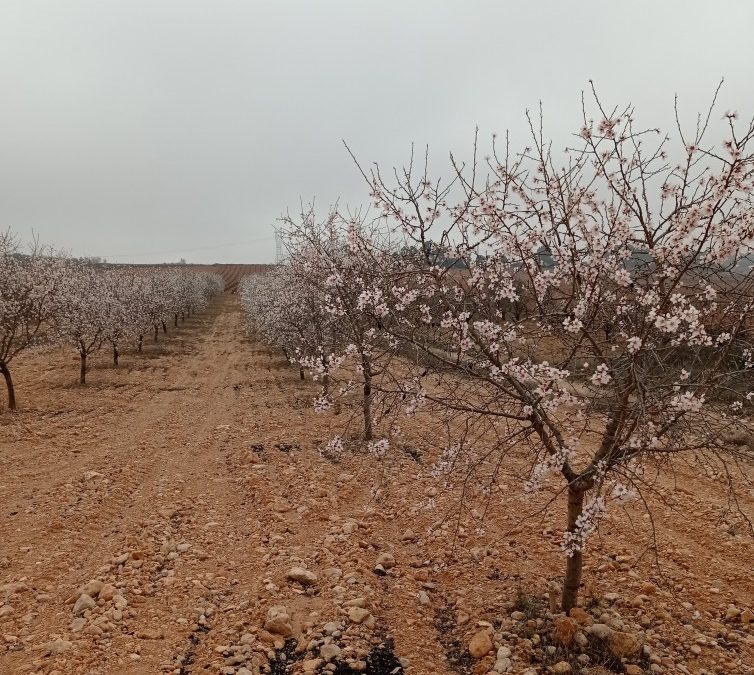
278 248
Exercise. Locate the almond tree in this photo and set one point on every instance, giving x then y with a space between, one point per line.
632 276
185 286
275 310
285 308
120 319
28 287
204 286
156 300
82 311
343 260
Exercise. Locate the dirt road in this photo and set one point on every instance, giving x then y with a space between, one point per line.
187 484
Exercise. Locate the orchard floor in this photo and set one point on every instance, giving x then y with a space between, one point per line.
189 479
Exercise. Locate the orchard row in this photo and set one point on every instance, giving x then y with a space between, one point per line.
48 299
577 320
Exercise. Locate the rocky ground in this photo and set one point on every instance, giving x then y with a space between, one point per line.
175 516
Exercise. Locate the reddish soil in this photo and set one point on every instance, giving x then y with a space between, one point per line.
232 274
189 481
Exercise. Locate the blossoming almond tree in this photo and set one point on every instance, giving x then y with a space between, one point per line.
203 286
28 287
159 301
632 340
285 312
82 311
120 311
343 260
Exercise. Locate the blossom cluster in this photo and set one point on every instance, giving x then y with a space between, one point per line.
586 525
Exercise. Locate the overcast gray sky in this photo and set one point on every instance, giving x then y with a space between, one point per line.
149 130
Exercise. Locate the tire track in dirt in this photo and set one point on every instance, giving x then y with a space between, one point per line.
110 449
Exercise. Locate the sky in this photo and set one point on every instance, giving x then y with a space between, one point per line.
154 130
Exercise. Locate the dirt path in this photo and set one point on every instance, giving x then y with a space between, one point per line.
144 480
189 483
146 453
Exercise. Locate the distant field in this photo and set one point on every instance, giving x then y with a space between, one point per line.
231 273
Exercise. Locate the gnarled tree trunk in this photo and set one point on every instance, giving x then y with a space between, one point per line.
141 342
82 370
367 402
164 327
575 562
116 354
326 376
9 385
156 332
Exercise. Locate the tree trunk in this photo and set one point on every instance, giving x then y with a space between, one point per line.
156 332
183 316
141 342
115 355
9 384
164 327
367 400
301 372
175 320
575 562
82 372
326 376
